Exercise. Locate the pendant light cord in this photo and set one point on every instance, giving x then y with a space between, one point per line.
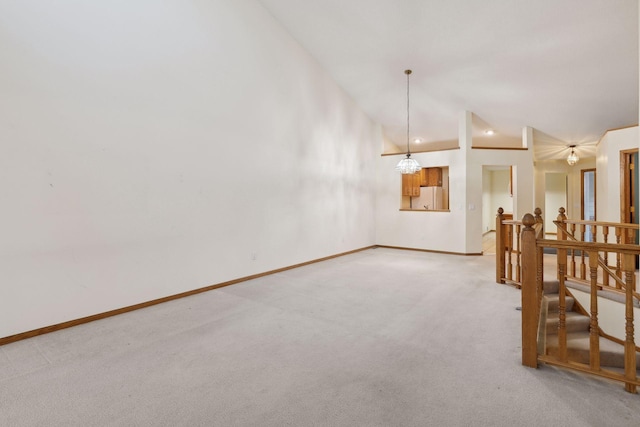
407 72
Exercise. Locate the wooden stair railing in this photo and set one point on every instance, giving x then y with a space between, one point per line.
532 289
508 253
624 233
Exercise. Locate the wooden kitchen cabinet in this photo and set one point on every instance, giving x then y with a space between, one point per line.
431 177
411 184
424 177
435 177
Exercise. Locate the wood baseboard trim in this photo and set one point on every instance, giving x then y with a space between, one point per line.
430 250
99 316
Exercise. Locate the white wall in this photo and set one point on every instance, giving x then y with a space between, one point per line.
522 200
573 174
419 229
461 229
150 148
501 197
555 194
488 217
495 194
608 171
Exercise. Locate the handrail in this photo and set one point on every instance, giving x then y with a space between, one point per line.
597 231
591 247
598 246
601 260
589 251
628 225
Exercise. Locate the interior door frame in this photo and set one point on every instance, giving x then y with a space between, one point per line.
626 184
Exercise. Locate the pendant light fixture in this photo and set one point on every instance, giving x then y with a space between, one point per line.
408 165
573 157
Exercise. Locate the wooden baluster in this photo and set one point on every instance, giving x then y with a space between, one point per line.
629 344
572 229
562 219
583 266
593 238
518 253
562 307
510 252
605 255
618 257
500 250
539 255
530 308
631 236
594 332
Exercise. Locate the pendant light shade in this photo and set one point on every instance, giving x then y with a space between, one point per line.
573 157
408 165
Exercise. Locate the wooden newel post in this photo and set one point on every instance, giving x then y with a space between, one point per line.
562 253
561 219
629 345
529 294
540 223
500 265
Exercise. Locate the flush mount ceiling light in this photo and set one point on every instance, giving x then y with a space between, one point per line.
573 157
490 132
408 165
418 140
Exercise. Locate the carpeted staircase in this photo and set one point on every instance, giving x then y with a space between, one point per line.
611 353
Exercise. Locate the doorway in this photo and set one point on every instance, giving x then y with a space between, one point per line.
588 199
629 192
497 192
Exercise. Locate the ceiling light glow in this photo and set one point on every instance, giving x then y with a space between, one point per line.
573 157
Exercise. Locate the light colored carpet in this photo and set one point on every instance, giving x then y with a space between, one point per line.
382 337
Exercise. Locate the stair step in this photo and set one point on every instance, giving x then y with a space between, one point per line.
611 353
575 322
554 301
550 286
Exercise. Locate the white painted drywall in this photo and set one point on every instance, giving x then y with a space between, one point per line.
500 195
151 148
522 200
573 173
496 194
555 194
461 229
488 217
419 229
608 171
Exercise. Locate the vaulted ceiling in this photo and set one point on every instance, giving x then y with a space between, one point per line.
567 68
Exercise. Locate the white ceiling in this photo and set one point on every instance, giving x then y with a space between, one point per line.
567 68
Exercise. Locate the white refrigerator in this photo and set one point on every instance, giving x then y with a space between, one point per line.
431 198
